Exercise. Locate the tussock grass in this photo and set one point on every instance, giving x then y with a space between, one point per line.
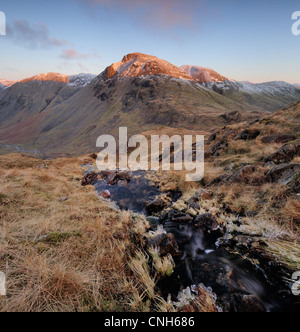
74 254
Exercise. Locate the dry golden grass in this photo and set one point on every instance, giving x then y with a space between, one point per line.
61 247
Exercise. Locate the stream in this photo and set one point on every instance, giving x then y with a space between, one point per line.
22 150
205 256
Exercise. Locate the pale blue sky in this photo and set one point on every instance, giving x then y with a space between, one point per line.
244 40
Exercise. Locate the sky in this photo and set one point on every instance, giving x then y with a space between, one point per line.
242 40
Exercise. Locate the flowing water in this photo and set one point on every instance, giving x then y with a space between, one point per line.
131 195
22 150
239 284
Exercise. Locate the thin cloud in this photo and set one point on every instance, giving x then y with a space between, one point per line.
73 54
32 36
157 13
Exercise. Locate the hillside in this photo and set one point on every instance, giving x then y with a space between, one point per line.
59 114
64 120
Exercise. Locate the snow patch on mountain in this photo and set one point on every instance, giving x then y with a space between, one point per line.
272 88
203 75
80 80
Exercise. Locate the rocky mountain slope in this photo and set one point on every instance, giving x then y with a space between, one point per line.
65 114
138 64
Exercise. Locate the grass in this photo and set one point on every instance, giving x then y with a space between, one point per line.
70 255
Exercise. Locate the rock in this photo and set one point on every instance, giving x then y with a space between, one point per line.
285 154
208 222
219 180
278 139
153 222
203 194
283 174
63 199
247 135
124 176
192 212
177 217
166 243
112 178
250 303
212 137
243 175
106 194
93 156
89 179
192 204
155 206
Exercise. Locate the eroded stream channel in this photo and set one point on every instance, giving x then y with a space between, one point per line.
242 277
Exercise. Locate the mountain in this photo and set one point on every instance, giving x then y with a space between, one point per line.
138 64
297 86
80 80
203 75
60 114
7 83
51 77
270 96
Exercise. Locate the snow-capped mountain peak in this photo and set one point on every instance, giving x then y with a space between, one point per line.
138 64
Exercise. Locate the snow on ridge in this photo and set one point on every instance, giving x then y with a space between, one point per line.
80 80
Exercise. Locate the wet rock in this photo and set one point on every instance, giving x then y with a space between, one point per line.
166 243
208 222
250 303
177 217
278 139
112 178
89 179
105 194
285 154
153 222
283 174
124 176
156 206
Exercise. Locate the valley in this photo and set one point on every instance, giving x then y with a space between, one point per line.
75 238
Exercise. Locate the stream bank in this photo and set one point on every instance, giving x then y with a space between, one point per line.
232 266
